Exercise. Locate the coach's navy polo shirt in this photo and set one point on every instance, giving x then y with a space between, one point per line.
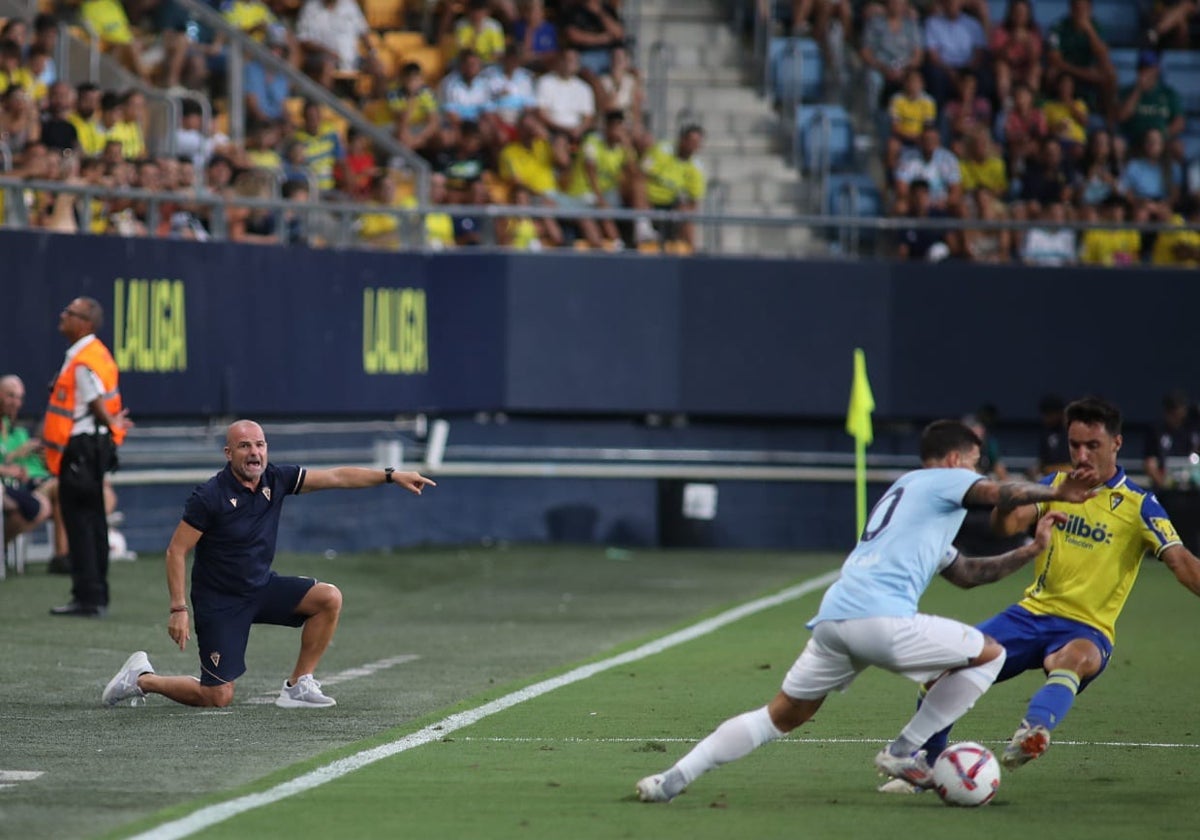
239 528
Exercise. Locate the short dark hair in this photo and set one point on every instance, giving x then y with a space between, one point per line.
1092 410
290 188
691 128
941 437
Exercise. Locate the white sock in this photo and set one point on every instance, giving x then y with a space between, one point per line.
950 698
739 736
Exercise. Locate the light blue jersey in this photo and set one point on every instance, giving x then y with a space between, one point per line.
907 540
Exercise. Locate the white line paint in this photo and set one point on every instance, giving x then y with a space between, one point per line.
801 741
342 676
213 814
20 775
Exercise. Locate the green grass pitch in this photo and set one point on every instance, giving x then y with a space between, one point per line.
429 633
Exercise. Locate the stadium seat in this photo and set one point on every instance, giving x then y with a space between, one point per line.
384 14
1124 61
1120 21
1047 13
795 69
852 194
824 134
399 44
1181 70
1191 146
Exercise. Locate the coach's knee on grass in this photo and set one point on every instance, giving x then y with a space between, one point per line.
217 695
322 598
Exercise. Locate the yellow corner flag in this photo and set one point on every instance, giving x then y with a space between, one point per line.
858 426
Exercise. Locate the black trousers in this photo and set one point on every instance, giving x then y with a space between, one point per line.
81 496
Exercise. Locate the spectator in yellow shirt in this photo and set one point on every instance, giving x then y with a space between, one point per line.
480 32
1180 246
1067 116
910 109
12 74
981 165
675 180
1111 247
86 119
107 19
528 162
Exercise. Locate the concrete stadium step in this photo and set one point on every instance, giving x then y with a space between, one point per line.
735 76
707 98
720 145
765 189
723 55
689 33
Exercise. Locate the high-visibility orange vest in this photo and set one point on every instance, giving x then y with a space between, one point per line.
60 414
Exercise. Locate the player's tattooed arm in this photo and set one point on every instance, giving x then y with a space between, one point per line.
1007 495
966 572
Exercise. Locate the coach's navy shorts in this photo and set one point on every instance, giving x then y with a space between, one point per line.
1030 638
223 623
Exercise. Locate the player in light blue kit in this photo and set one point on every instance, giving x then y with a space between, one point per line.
869 615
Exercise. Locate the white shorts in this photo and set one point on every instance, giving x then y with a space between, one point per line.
920 647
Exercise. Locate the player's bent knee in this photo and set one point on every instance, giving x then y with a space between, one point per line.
992 650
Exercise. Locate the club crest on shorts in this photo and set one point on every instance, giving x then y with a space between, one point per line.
233 501
215 658
267 493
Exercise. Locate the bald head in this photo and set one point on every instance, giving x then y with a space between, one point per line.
12 395
246 451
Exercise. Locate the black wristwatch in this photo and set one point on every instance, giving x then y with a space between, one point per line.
387 475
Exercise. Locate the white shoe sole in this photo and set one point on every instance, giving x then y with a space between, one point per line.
114 683
288 703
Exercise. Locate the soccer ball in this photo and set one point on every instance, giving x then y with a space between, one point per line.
966 774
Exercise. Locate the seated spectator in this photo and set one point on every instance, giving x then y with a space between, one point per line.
86 120
1149 103
830 22
256 225
467 95
981 165
1024 128
521 233
332 34
1099 170
937 167
676 180
414 108
22 469
892 47
1049 243
58 132
1179 247
107 19
1016 48
322 145
512 91
1046 181
37 63
1170 24
479 32
621 90
1077 48
954 42
988 245
922 242
911 110
12 74
1151 182
111 113
462 171
527 163
129 127
192 140
295 162
355 172
20 122
261 140
1111 247
1067 117
966 111
565 101
535 38
266 90
592 28
45 41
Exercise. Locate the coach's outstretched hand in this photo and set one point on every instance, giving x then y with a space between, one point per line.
413 481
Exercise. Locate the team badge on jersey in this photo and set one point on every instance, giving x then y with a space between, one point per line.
267 493
1115 500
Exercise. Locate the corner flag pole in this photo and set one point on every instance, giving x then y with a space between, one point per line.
858 426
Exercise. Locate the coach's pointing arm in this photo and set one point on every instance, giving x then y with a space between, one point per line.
350 478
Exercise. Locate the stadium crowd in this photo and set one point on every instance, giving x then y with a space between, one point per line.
996 119
525 103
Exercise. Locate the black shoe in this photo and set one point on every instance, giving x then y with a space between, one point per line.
78 609
60 564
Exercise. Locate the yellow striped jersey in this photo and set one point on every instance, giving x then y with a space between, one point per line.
1086 572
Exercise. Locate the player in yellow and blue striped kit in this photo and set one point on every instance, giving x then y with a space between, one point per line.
1065 622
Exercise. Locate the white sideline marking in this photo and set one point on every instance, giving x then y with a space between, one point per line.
213 814
795 742
342 676
19 775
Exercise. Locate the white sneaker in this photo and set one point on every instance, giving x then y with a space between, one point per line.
900 786
125 684
643 230
650 789
914 769
305 694
1027 743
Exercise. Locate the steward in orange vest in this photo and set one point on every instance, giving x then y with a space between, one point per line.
60 413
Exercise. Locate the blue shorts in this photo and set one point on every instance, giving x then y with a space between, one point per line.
1030 638
223 623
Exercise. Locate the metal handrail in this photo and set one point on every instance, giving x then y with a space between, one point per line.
5 156
715 201
239 40
662 58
